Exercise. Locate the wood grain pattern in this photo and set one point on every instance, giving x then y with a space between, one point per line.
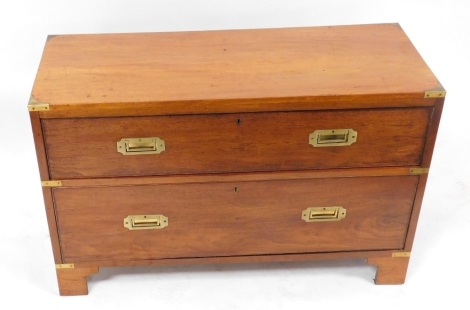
230 71
73 281
233 192
286 104
44 175
85 148
415 213
432 133
238 259
39 145
426 162
52 224
211 219
390 270
239 177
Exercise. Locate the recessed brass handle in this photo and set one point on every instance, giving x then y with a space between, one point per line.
324 214
141 146
332 137
149 221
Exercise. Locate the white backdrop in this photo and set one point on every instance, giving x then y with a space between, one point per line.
439 265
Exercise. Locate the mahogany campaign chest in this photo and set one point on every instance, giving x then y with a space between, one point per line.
233 146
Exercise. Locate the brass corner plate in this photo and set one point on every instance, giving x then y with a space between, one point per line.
323 214
416 171
51 183
401 254
148 221
332 137
437 92
64 266
140 146
35 105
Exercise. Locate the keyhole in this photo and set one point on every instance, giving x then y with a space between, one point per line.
235 189
239 121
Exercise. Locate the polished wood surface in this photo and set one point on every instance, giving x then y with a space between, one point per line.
239 177
241 259
52 224
426 162
432 133
390 270
235 109
44 175
245 142
238 105
227 219
230 71
73 281
39 145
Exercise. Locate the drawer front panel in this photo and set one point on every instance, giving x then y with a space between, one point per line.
230 219
84 148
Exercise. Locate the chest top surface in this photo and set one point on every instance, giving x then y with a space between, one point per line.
229 66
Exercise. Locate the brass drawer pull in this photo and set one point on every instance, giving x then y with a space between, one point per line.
141 146
323 214
155 221
332 137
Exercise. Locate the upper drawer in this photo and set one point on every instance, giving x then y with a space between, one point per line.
87 147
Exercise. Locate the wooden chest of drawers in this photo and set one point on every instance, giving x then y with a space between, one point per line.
233 146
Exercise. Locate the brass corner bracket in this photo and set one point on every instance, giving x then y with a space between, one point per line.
64 266
416 171
35 105
435 94
401 254
51 183
438 92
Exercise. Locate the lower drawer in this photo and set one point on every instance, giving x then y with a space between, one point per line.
230 219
